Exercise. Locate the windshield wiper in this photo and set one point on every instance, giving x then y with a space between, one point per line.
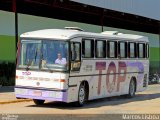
30 61
35 56
28 64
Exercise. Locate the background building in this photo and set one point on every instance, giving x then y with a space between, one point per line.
131 16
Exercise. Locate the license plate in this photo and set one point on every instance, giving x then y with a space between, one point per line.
37 93
20 91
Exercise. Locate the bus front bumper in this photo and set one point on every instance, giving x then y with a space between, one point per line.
49 95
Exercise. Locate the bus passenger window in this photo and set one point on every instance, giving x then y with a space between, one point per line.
100 49
141 50
122 49
87 48
132 50
112 49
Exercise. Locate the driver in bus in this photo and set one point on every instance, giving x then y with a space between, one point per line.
60 60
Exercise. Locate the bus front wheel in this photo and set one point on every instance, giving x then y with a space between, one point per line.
38 102
81 95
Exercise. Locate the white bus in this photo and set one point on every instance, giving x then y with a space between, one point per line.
75 66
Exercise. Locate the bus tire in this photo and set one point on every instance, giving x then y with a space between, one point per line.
82 95
132 89
38 102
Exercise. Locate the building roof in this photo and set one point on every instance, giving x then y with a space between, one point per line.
65 34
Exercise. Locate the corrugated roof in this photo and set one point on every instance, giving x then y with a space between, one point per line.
145 8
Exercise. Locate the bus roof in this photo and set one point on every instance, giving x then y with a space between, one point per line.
65 34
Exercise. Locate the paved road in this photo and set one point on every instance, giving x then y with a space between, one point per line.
147 102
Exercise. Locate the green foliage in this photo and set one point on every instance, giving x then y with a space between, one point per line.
7 46
154 67
7 74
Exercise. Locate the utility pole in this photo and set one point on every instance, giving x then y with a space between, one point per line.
14 8
159 46
102 21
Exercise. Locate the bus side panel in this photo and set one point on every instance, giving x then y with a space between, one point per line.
142 79
102 83
107 77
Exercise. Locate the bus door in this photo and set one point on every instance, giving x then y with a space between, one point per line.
75 62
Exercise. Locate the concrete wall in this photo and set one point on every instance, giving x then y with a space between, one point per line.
30 23
7 36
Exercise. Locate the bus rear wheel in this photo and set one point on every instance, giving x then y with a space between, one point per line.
132 89
38 102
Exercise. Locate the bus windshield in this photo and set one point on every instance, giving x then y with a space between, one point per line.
44 55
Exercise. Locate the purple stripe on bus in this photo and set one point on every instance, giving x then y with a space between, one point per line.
64 96
44 95
40 98
140 67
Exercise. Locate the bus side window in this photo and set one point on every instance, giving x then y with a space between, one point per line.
88 48
141 50
132 53
100 49
122 49
75 56
112 49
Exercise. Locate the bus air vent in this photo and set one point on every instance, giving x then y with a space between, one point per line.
110 32
74 28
